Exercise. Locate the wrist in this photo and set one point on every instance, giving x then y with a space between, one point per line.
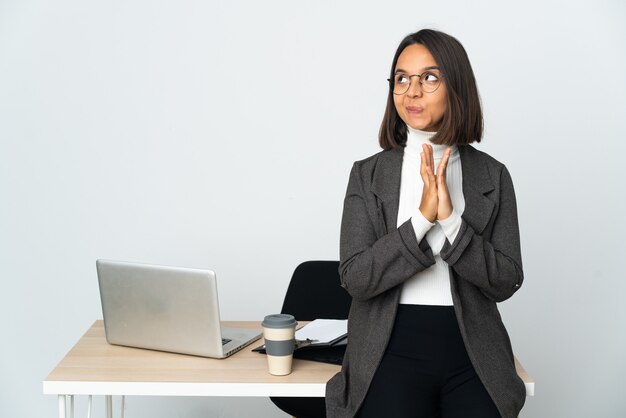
444 216
430 217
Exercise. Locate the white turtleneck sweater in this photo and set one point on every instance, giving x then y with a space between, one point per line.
430 286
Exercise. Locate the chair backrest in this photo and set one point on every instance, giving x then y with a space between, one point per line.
315 292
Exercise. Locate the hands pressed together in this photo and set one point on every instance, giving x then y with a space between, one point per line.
436 203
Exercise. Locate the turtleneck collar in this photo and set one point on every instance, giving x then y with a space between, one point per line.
415 139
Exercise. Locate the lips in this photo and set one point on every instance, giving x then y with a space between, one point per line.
416 110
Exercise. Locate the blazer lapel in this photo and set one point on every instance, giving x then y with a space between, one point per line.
386 187
476 185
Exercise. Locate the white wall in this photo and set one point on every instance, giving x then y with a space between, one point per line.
221 135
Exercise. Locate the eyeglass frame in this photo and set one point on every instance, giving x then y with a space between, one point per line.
420 82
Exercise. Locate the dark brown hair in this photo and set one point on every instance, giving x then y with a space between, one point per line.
462 123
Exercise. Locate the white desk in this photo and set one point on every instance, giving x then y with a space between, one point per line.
94 367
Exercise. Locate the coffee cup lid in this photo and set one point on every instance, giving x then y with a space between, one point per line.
279 321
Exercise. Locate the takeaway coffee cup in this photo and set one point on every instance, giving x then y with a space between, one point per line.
279 334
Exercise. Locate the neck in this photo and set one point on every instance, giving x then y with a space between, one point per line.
415 139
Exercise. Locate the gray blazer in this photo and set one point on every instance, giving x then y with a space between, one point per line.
377 257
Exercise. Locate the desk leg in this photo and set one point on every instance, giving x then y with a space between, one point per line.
71 406
61 406
109 405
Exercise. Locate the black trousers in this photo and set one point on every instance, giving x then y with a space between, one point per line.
425 372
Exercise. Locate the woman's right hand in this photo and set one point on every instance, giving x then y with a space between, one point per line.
430 201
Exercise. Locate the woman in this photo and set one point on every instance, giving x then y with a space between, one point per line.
429 245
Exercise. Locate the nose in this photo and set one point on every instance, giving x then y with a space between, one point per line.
415 89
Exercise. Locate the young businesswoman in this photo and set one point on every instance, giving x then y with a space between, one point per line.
429 245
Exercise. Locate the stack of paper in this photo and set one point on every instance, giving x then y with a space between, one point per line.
324 331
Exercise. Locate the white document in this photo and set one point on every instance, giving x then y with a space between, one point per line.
322 331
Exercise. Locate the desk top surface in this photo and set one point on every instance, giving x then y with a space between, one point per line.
93 366
96 367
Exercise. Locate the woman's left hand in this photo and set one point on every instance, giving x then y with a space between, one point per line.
444 207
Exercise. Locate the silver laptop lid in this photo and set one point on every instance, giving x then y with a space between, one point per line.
161 308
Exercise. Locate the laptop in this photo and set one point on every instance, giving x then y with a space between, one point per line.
164 308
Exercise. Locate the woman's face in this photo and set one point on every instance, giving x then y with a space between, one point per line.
418 109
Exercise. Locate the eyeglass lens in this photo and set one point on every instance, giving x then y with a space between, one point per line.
428 81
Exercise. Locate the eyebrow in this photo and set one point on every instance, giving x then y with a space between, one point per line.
432 67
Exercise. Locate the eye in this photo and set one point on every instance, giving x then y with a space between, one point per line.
401 79
430 78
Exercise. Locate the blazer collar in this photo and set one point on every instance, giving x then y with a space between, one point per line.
477 184
386 181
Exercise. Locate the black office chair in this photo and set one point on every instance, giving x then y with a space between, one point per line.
314 292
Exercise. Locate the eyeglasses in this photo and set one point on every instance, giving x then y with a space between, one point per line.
429 82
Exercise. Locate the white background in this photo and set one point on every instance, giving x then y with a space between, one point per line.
221 135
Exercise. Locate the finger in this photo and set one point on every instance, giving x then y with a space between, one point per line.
423 162
432 180
444 203
428 153
423 173
431 158
441 170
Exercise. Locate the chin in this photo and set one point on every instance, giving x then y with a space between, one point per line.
421 127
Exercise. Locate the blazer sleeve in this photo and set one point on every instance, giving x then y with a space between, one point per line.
494 265
370 265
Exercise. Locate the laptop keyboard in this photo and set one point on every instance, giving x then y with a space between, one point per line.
225 341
